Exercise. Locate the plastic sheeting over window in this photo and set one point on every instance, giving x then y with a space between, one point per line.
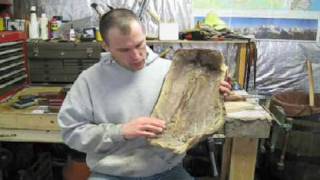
282 66
80 11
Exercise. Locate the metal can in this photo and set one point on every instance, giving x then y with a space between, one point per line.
2 27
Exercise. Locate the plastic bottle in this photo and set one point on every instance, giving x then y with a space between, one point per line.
44 27
56 27
53 28
98 35
72 34
34 25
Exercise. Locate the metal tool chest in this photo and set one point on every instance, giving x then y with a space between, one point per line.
60 62
13 63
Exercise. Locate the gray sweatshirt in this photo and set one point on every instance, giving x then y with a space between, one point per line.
103 98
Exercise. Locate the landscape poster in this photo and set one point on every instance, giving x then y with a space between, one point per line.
272 28
285 5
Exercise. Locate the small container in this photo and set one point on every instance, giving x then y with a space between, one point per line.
2 27
20 23
72 34
6 23
98 35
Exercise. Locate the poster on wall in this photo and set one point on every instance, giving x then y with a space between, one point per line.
272 28
305 5
265 19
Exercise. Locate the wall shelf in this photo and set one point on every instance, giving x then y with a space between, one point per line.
194 42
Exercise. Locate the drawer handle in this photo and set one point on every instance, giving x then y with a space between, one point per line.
35 52
89 52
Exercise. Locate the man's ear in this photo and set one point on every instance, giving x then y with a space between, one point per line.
104 46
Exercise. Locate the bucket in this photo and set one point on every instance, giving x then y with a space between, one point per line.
296 104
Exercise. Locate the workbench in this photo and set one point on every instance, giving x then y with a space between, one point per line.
245 123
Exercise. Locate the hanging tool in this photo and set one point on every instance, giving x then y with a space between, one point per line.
99 9
311 83
164 53
142 8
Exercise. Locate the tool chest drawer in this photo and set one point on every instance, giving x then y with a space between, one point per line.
52 62
63 50
13 64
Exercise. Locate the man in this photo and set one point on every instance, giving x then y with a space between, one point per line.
106 113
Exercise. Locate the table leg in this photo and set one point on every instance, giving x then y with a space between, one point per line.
225 165
243 158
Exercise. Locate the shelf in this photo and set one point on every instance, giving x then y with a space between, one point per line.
195 42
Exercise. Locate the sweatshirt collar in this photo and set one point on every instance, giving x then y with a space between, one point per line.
151 56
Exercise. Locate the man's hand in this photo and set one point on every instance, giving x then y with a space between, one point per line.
143 127
225 88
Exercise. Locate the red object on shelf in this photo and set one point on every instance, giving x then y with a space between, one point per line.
11 36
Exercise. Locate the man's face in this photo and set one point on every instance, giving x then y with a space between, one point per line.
128 50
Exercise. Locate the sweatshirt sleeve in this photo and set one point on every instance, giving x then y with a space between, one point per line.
78 128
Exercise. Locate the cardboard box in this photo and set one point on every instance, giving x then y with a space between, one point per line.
168 31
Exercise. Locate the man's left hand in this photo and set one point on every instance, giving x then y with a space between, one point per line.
225 88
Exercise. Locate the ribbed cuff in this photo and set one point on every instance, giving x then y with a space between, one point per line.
117 133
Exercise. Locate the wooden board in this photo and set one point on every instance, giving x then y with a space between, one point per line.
243 158
18 135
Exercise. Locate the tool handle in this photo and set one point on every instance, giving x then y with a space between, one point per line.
311 83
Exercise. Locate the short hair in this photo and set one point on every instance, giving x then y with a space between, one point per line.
120 18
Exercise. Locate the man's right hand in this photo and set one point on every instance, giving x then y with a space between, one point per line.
143 127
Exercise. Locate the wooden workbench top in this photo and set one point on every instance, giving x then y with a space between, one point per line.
243 119
247 119
12 118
